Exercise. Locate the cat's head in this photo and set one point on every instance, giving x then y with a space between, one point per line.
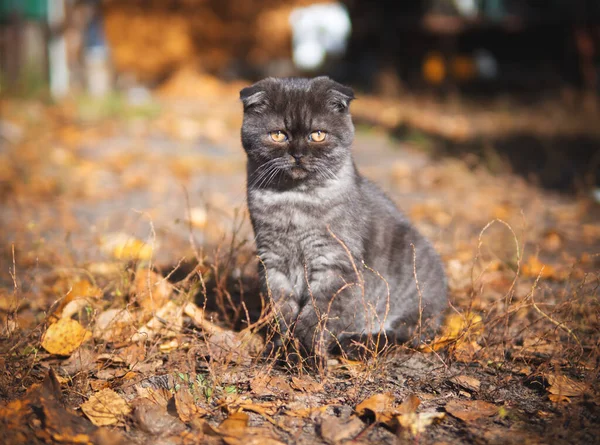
296 128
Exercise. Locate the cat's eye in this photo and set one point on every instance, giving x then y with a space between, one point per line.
317 136
278 136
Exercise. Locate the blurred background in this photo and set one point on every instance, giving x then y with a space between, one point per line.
526 51
115 113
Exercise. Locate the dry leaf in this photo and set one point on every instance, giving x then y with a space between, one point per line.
467 382
74 307
197 316
334 430
105 408
155 420
186 406
561 385
409 405
235 425
64 337
150 290
125 247
167 321
114 325
469 410
380 405
534 268
159 396
265 385
417 423
457 328
306 384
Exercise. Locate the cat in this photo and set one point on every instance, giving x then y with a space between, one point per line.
339 262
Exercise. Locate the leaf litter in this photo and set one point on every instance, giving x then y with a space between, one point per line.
144 317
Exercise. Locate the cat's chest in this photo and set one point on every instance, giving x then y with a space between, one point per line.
294 223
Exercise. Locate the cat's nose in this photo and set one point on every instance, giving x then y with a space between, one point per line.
298 157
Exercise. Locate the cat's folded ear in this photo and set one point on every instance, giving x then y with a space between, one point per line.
339 96
254 98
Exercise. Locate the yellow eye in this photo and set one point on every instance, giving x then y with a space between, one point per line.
317 136
278 136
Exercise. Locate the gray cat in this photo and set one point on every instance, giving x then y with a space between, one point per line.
340 264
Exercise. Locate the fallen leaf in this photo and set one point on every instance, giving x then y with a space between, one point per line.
150 291
306 384
409 405
265 385
168 320
334 430
75 307
105 407
82 360
418 423
125 247
197 316
114 325
155 420
186 406
534 268
235 425
64 337
467 382
469 410
380 405
561 385
159 396
457 328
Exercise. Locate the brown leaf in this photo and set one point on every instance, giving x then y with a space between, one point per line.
380 405
105 407
167 321
150 290
197 316
64 337
264 385
467 382
564 386
306 384
159 396
155 419
235 425
186 406
82 360
114 325
334 430
469 410
409 405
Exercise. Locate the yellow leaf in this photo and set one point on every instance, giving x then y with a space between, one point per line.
65 336
105 408
417 423
124 247
379 404
456 327
534 268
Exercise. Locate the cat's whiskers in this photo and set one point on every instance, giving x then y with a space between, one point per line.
266 168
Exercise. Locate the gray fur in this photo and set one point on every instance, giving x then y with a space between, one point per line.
336 254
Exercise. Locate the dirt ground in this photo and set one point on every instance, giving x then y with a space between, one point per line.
128 303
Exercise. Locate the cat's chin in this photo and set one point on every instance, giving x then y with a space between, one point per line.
298 173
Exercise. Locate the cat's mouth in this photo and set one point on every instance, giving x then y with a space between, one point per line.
298 172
